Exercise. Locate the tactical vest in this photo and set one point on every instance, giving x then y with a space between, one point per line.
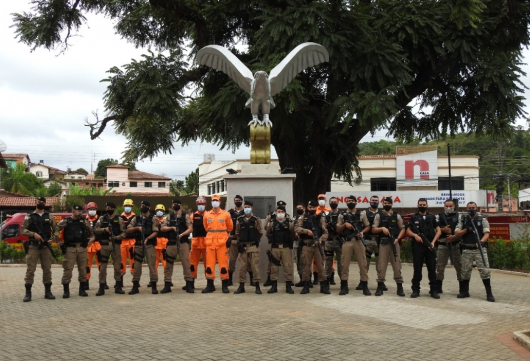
471 238
41 225
352 218
426 226
198 225
311 223
281 233
75 230
147 226
391 223
332 217
448 220
235 215
179 222
113 223
247 230
371 216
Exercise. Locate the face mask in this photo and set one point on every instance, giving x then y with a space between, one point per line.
374 204
110 212
300 211
247 210
159 213
351 205
312 211
449 211
40 206
333 205
144 209
238 204
127 209
200 208
321 202
387 208
422 209
176 207
215 204
472 212
91 213
280 215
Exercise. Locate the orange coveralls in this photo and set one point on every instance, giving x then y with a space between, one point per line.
92 249
218 225
161 245
198 249
126 245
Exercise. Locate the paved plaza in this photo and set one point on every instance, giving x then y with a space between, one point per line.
262 327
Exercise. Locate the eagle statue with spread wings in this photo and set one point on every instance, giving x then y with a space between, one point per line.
262 86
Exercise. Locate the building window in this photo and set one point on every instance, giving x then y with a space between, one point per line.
161 184
148 184
38 174
456 182
209 189
114 184
222 185
133 184
10 231
382 184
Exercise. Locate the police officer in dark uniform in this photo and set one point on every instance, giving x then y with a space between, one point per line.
333 244
448 244
39 227
424 230
372 239
271 217
235 213
145 229
281 234
111 231
300 210
77 235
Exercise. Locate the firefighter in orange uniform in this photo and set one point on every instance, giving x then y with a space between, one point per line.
325 210
218 225
93 249
198 247
127 244
161 241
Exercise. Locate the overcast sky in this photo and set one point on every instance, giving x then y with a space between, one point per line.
45 98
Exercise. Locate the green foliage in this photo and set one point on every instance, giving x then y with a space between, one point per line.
514 255
11 254
17 180
67 203
176 187
101 171
54 190
192 182
82 170
76 190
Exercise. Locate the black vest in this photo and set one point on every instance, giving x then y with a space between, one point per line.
448 220
235 215
313 224
147 225
371 216
41 225
247 230
281 233
471 238
353 218
111 223
198 225
390 222
75 230
332 217
179 222
426 226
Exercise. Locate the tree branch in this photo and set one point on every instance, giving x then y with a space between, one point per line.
99 126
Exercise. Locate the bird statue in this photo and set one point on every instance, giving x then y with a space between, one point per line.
262 86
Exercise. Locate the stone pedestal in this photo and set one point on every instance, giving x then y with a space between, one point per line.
264 185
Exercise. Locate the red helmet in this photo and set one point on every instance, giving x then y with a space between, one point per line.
92 205
200 200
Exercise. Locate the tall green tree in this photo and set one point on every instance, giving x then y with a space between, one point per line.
17 180
192 182
101 171
458 59
176 187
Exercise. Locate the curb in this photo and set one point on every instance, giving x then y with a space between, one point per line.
522 338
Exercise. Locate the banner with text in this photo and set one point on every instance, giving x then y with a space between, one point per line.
417 166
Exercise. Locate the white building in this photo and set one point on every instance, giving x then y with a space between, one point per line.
123 180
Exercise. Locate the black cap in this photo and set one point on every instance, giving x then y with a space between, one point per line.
41 199
111 205
238 196
177 201
249 203
281 203
352 197
77 207
146 203
281 207
313 203
389 200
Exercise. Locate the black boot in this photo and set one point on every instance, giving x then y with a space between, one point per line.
459 287
299 284
154 291
150 284
48 291
27 296
379 291
230 280
185 287
224 286
171 284
101 290
306 288
315 278
359 286
135 290
82 291
274 287
400 290
209 287
324 287
66 290
258 290
344 288
440 284
464 289
415 293
288 287
487 285
384 287
87 285
268 282
167 287
332 279
366 291
252 283
189 287
434 292
241 288
106 286
118 288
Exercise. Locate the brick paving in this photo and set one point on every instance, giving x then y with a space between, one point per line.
261 327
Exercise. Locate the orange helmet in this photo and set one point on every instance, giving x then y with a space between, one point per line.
216 197
321 196
200 200
92 205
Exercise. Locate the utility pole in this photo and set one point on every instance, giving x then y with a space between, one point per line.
450 179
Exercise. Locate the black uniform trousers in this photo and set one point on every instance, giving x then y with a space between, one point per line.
421 254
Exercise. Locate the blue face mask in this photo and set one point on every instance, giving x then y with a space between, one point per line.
200 208
127 209
247 210
159 213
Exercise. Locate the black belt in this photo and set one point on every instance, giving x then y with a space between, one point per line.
274 245
469 246
386 240
74 244
172 243
33 243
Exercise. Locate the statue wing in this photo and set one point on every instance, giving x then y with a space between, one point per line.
302 57
222 59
